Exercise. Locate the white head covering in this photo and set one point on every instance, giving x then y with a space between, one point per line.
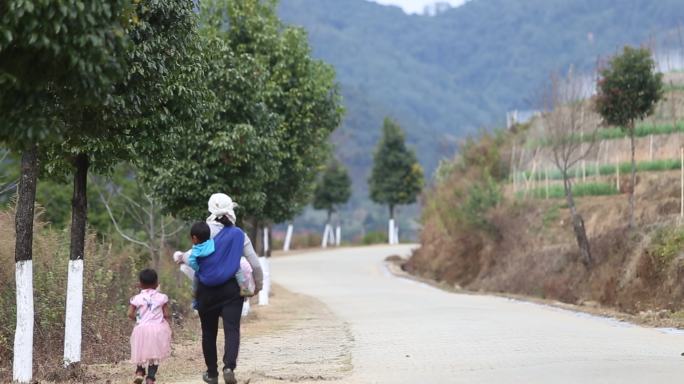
219 205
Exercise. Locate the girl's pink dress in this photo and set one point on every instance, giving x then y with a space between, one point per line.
151 337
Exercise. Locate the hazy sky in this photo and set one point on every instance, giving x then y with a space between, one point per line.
416 6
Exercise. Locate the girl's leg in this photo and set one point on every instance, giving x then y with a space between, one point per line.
209 321
139 374
231 313
152 371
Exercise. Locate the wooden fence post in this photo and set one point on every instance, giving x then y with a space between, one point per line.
546 182
617 173
650 150
598 168
681 166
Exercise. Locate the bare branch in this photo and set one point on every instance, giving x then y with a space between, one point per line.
8 187
116 224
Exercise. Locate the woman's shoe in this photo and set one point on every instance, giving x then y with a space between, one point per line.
209 380
229 376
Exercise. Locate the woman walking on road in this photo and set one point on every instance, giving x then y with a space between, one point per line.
218 293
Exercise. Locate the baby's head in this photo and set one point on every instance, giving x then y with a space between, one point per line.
148 279
200 232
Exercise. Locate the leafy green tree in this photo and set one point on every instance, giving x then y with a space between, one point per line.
628 90
333 188
310 106
301 91
233 150
153 94
266 135
397 177
54 59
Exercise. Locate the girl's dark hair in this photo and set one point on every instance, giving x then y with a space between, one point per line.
148 277
225 221
200 230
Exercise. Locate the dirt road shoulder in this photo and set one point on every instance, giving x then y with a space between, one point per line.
295 339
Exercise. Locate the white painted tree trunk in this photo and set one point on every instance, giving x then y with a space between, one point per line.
74 311
390 232
396 235
326 236
23 335
245 308
331 236
338 236
266 244
263 294
288 238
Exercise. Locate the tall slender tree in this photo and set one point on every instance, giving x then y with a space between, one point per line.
397 177
333 189
52 60
153 94
628 90
567 117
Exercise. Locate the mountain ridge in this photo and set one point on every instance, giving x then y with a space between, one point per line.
444 76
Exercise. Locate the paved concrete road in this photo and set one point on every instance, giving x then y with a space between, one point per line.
405 332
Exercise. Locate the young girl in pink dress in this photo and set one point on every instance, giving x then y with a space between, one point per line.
151 337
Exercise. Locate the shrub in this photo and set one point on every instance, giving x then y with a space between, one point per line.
375 237
480 198
667 243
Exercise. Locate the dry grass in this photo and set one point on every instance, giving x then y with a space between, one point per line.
110 277
529 248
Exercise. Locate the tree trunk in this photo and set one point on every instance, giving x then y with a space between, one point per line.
391 227
74 305
288 237
577 224
632 190
331 232
152 231
253 234
269 238
265 266
23 255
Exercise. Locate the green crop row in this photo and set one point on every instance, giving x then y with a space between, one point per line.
606 169
615 133
578 190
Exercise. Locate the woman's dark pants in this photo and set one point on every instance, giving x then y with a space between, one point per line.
214 302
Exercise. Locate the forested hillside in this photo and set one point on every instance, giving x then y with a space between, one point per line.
445 76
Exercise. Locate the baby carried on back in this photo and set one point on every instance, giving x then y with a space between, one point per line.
214 268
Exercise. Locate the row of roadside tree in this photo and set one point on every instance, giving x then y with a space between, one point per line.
219 96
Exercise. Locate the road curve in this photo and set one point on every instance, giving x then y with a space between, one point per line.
406 332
